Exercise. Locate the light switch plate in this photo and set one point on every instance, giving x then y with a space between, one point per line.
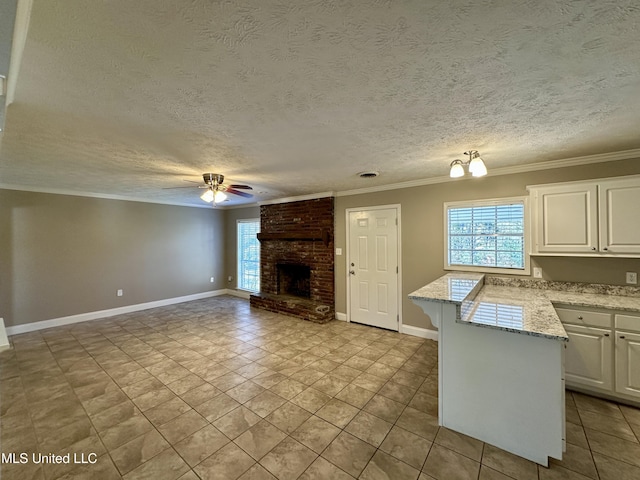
537 272
338 251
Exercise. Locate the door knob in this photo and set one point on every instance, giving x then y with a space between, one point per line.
352 272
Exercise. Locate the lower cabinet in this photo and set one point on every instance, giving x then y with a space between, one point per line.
603 352
588 359
628 363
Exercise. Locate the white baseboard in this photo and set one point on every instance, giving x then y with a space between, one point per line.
83 317
238 293
4 341
407 329
420 332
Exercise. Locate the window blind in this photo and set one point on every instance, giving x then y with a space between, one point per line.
487 236
248 255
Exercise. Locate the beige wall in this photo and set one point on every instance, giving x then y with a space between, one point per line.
63 255
231 216
423 229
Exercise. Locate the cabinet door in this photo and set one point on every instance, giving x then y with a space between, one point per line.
628 363
566 219
619 216
589 357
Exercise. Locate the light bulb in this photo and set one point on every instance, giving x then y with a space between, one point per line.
477 167
207 196
220 196
456 169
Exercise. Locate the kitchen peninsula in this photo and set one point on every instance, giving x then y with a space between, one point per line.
500 361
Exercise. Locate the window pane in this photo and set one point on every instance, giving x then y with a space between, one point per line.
248 255
487 235
484 259
484 243
460 242
510 259
511 243
460 258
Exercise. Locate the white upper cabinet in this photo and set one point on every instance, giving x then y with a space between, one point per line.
566 218
599 217
619 209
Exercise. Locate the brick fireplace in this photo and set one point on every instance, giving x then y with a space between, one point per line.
296 259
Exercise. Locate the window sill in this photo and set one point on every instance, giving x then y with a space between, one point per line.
489 270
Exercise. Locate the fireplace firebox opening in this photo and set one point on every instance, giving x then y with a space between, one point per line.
294 279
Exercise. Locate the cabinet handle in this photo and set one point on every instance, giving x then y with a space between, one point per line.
606 334
621 336
580 317
593 248
605 249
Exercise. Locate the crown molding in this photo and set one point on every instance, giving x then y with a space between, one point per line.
106 196
235 207
20 29
311 196
567 162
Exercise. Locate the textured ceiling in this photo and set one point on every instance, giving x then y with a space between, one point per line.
297 96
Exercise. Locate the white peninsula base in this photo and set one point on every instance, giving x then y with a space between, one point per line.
503 388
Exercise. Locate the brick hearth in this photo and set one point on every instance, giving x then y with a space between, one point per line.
297 233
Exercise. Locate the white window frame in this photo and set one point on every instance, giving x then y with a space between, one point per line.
239 257
486 203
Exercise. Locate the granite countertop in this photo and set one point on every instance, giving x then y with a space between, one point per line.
516 309
450 288
519 305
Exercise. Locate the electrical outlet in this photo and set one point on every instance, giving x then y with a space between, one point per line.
537 272
632 278
229 278
212 279
119 292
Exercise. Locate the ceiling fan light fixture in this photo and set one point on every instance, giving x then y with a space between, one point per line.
207 196
219 196
216 197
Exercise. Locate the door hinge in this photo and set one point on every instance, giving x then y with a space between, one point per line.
396 220
397 269
398 318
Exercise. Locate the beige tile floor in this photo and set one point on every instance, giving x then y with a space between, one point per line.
212 389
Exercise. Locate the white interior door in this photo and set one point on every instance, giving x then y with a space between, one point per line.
372 263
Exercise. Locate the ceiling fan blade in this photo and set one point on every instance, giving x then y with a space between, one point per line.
238 192
187 186
244 187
